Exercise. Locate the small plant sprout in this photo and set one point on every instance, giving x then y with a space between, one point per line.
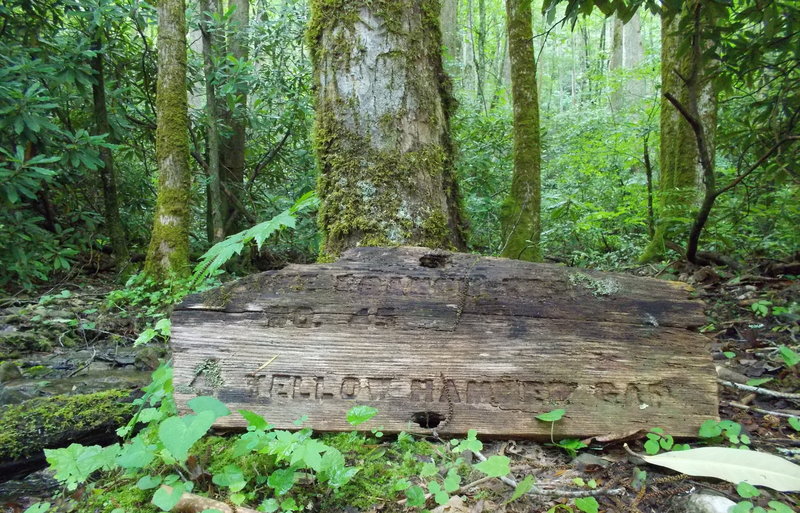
552 416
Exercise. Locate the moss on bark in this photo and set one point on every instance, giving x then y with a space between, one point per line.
382 129
27 428
520 214
680 186
168 253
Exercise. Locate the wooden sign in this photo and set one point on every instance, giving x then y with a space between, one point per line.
448 342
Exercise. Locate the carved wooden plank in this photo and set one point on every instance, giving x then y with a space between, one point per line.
464 341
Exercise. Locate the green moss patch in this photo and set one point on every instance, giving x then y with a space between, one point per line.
33 425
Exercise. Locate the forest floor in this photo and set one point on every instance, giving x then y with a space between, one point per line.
77 338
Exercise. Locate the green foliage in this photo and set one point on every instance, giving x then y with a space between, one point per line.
360 414
713 432
221 252
495 466
657 440
551 416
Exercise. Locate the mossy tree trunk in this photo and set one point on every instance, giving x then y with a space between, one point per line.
168 254
382 129
108 177
520 216
681 173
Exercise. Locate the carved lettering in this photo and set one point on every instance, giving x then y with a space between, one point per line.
350 388
479 392
421 390
282 386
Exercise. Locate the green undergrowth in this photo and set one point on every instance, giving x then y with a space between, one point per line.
163 455
264 468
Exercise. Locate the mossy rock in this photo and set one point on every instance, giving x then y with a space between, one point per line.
26 341
45 422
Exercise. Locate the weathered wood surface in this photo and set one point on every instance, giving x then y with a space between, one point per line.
475 342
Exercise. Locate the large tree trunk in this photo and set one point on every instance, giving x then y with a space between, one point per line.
168 254
681 173
382 130
520 217
108 177
233 158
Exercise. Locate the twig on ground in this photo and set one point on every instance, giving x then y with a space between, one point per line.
734 404
85 365
759 390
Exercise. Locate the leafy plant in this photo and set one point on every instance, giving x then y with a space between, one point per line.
657 440
220 253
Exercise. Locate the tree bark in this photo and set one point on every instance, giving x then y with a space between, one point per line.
168 254
520 216
233 158
215 201
681 186
108 178
451 37
382 135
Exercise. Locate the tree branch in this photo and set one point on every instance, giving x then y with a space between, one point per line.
758 163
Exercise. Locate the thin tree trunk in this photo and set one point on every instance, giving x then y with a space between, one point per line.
382 127
520 215
168 253
108 177
215 200
451 37
233 160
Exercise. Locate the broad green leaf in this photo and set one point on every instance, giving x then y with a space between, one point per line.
333 469
401 484
148 482
551 416
167 497
452 481
74 464
179 434
254 420
39 507
522 488
742 507
136 454
470 444
758 381
269 506
495 466
734 466
415 496
164 326
794 422
360 414
309 454
231 477
587 504
710 429
428 470
790 357
746 490
281 480
212 404
779 507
